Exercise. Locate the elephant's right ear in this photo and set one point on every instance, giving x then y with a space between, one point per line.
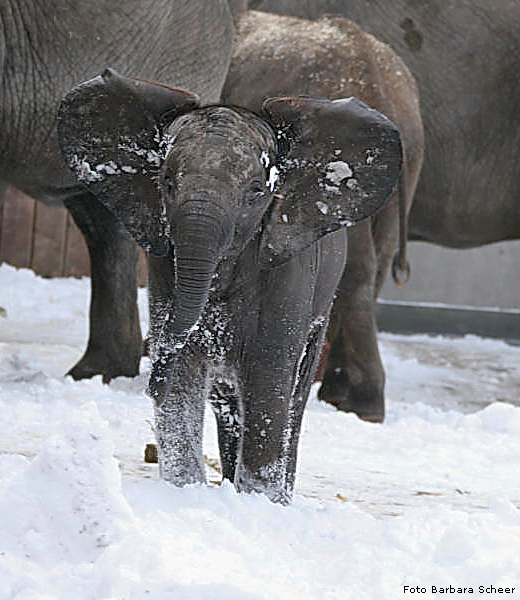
339 161
110 130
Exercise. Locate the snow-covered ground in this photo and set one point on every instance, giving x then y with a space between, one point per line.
430 498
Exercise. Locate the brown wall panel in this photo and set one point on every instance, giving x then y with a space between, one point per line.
48 255
16 234
45 239
77 262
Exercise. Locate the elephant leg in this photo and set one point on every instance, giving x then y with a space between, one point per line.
304 378
226 407
115 344
178 387
266 373
3 188
278 361
354 378
266 433
275 396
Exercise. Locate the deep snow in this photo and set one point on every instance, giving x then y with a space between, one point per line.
430 498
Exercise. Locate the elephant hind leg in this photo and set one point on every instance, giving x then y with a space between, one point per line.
115 344
225 402
354 379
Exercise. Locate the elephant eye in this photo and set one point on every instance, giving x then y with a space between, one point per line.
254 192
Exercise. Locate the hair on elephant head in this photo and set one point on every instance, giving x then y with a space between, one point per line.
221 190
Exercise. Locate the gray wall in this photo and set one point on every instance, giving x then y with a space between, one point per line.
482 277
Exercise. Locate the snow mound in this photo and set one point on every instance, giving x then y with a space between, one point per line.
67 503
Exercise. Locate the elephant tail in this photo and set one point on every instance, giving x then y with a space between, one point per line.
400 264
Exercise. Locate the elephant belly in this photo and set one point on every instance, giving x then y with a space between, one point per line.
467 220
35 182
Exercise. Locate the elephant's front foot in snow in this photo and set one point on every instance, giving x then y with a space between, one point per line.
115 346
177 388
122 363
270 481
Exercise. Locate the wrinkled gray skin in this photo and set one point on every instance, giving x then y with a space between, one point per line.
237 6
47 47
465 57
244 221
332 57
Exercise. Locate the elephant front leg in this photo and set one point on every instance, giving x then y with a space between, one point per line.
178 388
307 367
274 401
263 454
115 344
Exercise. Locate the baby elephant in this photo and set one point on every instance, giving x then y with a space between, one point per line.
243 216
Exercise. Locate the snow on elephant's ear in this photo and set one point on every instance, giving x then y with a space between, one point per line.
110 130
339 163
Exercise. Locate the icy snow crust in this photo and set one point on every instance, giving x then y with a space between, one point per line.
429 498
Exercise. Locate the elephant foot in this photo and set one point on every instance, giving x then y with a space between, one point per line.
366 401
269 482
179 470
92 364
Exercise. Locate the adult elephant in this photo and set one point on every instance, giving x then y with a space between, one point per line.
465 57
45 49
333 57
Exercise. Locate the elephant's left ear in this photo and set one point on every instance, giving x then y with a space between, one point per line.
341 161
110 130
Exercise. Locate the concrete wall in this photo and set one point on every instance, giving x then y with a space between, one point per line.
482 277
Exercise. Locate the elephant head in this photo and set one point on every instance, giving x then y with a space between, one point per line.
199 184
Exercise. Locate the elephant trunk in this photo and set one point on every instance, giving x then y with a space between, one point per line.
200 237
